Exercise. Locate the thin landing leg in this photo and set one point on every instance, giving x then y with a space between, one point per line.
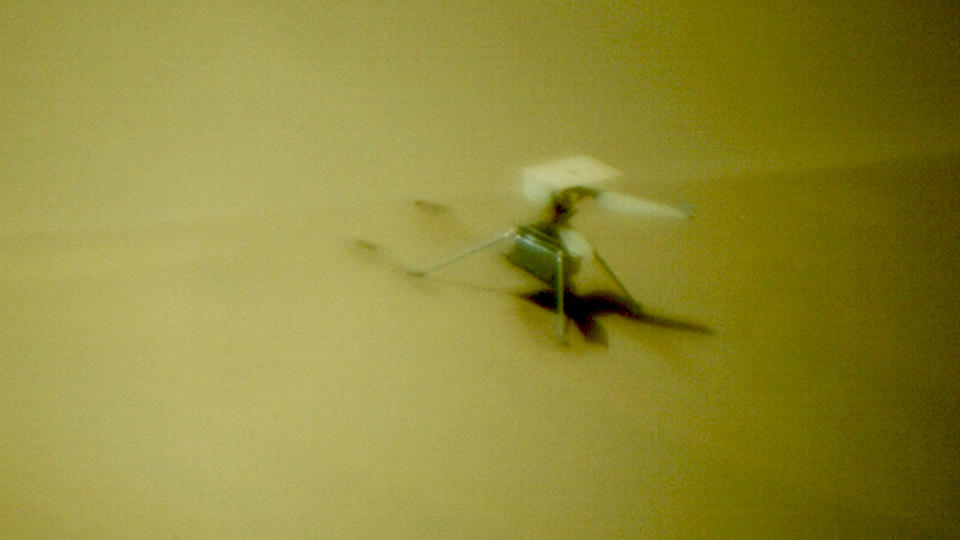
467 253
561 314
634 304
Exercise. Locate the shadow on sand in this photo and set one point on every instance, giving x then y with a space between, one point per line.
584 309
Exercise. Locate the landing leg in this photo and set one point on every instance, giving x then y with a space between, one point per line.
561 314
504 236
634 304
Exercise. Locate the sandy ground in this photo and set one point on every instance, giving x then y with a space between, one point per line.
206 330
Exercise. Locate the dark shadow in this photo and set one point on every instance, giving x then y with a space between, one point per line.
584 309
431 208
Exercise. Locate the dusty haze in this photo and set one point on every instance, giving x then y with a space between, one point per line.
205 329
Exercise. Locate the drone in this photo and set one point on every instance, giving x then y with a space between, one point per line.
553 252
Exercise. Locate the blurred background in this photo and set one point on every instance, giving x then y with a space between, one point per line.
205 329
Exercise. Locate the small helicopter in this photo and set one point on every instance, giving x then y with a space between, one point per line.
552 251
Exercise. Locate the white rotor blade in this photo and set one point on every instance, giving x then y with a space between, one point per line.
576 243
574 171
537 191
633 205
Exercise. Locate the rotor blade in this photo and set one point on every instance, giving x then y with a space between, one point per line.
576 243
573 171
633 205
537 190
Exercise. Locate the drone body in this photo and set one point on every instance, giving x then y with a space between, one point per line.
551 250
